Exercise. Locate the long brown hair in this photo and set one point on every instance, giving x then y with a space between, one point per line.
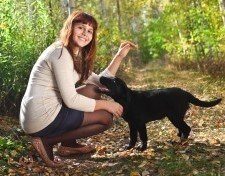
84 64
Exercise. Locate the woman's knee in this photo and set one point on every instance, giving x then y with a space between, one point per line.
90 91
107 118
98 117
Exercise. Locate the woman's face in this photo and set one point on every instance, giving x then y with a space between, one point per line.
82 34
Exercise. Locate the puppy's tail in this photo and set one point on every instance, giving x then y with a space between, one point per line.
197 102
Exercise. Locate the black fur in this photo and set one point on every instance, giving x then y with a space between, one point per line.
141 107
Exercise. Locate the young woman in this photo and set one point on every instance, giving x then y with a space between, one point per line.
53 110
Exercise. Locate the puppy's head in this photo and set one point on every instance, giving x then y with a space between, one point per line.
115 88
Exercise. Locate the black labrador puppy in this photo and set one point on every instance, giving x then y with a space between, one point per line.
141 107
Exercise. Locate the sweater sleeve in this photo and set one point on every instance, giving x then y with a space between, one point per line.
65 76
94 78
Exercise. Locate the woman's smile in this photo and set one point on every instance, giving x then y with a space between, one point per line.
82 34
82 38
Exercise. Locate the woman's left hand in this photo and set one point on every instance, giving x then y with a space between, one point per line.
125 48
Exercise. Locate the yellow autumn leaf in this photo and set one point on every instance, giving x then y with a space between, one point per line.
13 153
186 157
134 173
143 164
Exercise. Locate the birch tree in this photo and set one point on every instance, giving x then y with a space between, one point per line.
222 10
119 15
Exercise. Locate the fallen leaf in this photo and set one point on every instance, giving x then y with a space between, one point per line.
186 157
145 173
143 164
13 153
37 169
134 173
195 172
101 150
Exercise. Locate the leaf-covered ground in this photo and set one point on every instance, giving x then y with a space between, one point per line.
202 154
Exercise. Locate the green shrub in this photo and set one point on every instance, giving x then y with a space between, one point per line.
25 30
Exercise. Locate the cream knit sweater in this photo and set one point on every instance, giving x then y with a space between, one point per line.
52 80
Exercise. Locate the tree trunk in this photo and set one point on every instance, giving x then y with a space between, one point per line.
102 8
119 15
69 5
50 8
30 8
222 10
181 38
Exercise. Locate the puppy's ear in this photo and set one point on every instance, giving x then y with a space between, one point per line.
128 97
122 83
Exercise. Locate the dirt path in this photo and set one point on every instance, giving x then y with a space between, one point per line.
203 154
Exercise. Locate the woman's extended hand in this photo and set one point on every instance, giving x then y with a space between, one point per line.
115 108
125 48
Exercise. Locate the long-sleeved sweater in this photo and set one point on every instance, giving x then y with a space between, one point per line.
52 81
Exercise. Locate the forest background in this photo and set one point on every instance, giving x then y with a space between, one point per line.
189 34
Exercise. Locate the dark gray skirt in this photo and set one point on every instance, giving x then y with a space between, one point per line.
66 120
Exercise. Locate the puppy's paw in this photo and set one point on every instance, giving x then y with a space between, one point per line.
179 134
184 141
128 147
141 148
183 137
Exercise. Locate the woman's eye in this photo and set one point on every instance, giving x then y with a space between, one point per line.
90 32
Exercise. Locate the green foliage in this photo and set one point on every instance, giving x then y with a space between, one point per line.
7 144
152 41
11 150
25 30
191 29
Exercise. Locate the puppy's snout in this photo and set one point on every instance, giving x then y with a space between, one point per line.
102 79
